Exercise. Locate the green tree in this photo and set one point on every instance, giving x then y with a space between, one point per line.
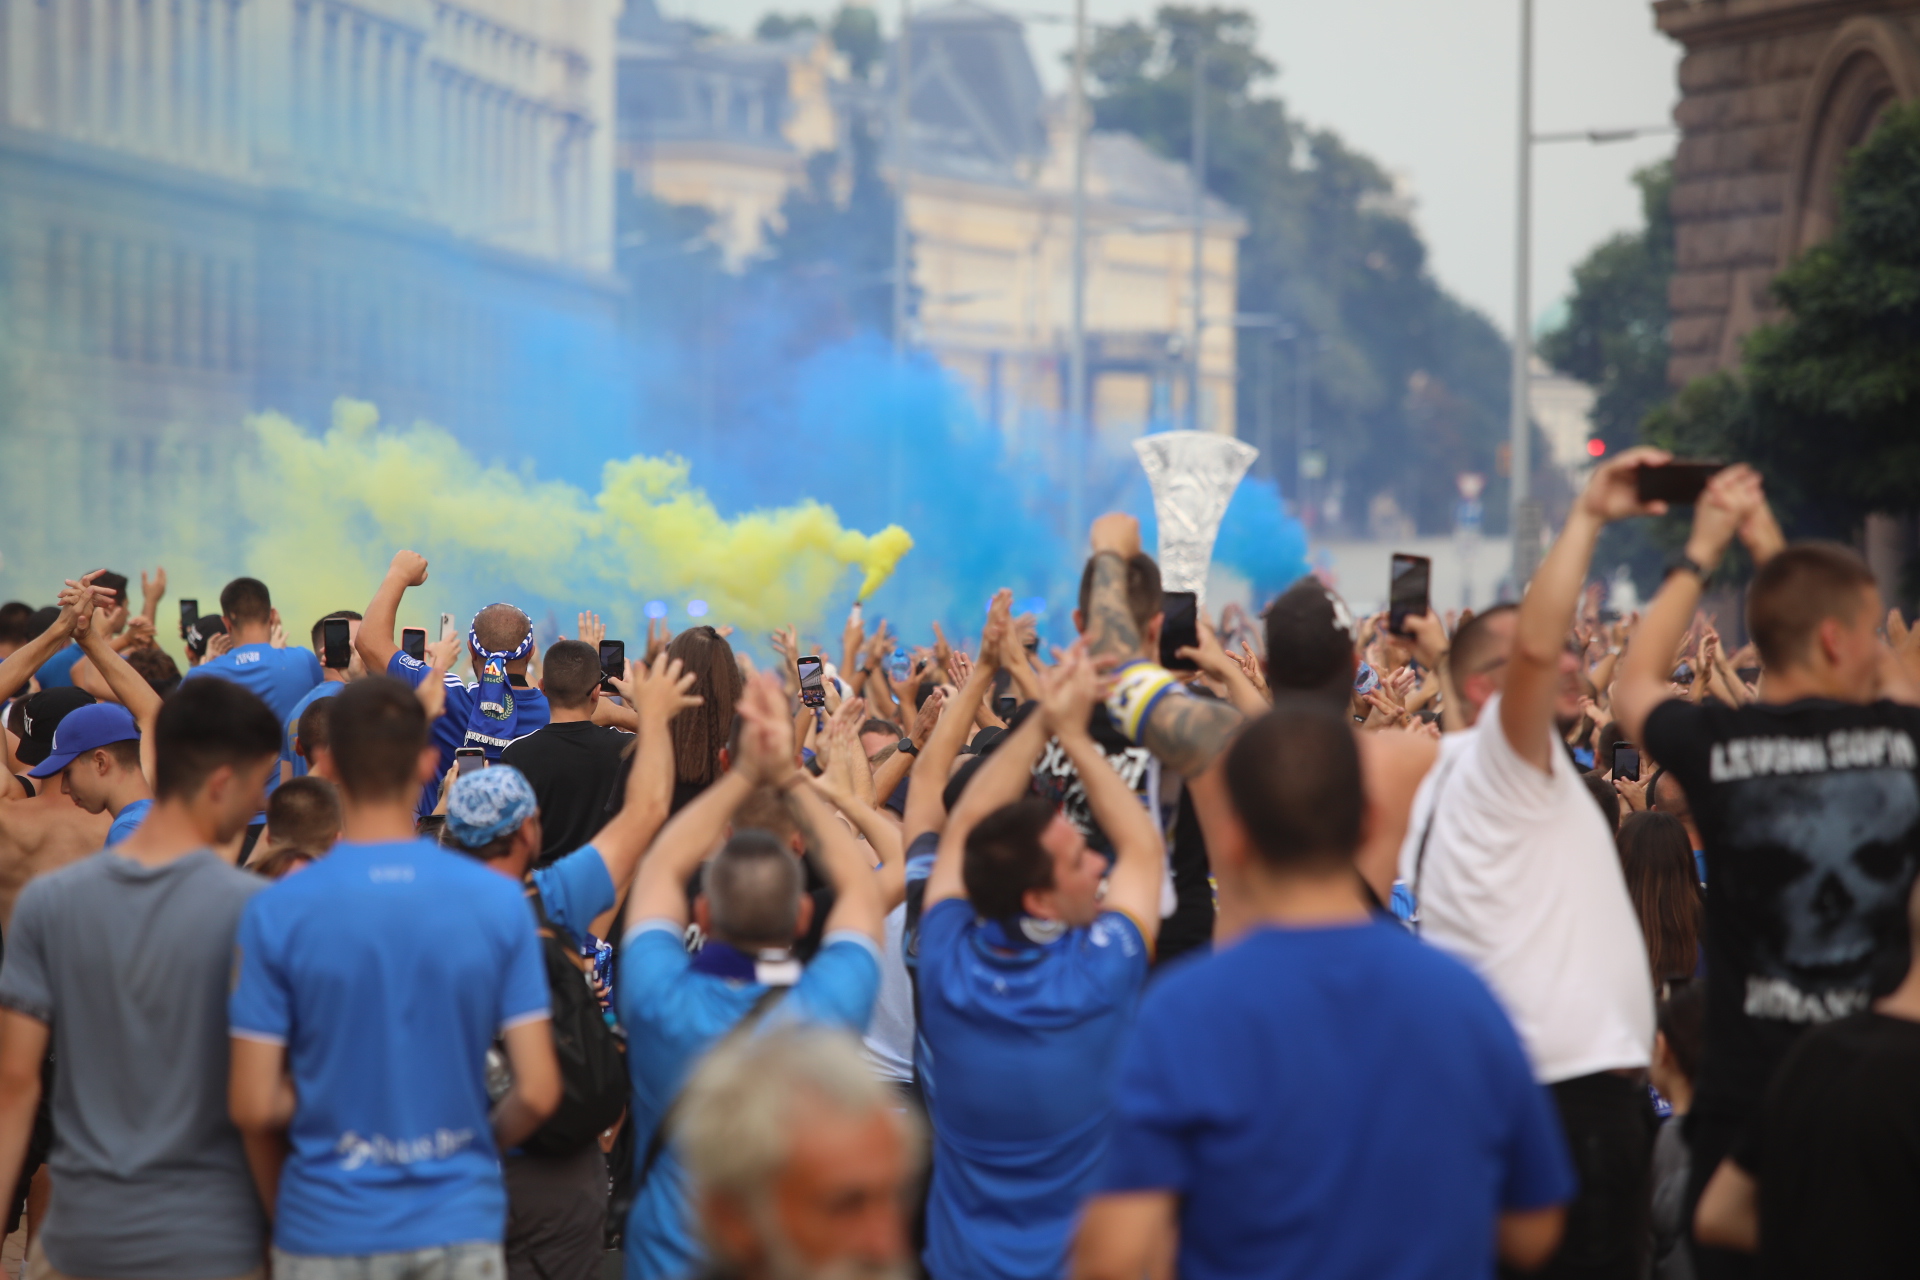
856 33
1615 334
1409 387
778 26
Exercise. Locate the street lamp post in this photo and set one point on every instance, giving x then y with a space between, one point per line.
1077 337
1524 513
1198 161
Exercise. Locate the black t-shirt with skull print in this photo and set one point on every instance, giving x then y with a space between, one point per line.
1810 815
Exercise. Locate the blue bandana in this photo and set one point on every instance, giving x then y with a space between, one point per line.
487 804
495 703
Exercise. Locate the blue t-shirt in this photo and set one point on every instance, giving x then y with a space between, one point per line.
57 671
387 970
1020 1046
288 756
278 677
575 889
128 821
1296 1086
672 1015
454 727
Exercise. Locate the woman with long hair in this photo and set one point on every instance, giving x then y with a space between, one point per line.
700 733
1657 859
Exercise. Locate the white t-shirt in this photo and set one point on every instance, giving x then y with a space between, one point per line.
1522 881
889 1038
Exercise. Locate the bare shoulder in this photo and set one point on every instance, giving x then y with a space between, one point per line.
1392 758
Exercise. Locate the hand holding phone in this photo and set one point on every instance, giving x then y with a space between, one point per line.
1678 483
1626 762
813 689
413 643
467 759
336 644
189 614
1179 629
613 664
1408 590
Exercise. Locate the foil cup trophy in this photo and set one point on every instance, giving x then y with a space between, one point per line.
1193 474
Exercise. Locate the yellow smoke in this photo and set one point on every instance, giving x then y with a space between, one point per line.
326 513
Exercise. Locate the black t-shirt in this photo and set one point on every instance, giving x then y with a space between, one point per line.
1837 1154
574 768
1810 814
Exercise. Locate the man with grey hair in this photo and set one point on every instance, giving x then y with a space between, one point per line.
675 1007
802 1164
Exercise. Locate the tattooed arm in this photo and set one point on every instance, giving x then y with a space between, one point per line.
1187 733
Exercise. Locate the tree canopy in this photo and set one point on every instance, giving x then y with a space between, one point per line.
1409 386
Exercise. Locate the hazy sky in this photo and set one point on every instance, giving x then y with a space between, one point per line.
1430 90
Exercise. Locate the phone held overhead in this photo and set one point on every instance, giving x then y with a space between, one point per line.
467 759
413 643
613 664
813 688
1678 483
1408 591
1179 629
336 644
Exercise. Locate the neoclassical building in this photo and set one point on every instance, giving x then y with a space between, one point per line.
1774 95
731 124
214 207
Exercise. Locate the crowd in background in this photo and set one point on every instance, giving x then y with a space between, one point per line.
1537 939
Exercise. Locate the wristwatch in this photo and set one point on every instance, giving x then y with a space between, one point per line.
907 747
1687 564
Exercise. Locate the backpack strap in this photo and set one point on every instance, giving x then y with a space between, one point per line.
657 1144
1426 833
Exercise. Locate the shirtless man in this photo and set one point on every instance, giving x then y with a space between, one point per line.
47 830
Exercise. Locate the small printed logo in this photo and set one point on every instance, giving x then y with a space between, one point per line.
391 875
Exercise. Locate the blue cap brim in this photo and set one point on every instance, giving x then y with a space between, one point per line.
52 764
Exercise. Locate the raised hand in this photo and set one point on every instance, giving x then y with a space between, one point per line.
139 634
1613 490
941 649
276 632
592 630
659 691
766 745
1429 638
1068 692
408 566
219 644
659 636
1251 666
959 668
927 717
153 590
1728 502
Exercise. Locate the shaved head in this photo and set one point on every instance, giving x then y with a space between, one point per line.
501 628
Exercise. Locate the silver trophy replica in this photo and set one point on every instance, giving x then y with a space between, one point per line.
1193 474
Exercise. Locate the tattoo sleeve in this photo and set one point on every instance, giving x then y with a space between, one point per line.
1110 629
1189 733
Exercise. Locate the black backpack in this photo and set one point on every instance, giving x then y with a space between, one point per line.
593 1068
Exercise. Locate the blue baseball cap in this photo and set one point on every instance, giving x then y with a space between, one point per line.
86 729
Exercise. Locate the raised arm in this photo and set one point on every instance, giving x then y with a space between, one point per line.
658 696
19 666
1645 672
1133 886
134 693
1546 611
1187 733
925 810
376 641
1002 779
857 903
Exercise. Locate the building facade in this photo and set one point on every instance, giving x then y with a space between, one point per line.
210 208
987 183
1774 93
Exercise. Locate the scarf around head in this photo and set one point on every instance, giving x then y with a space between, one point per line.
494 707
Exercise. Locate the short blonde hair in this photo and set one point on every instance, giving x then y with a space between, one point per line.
737 1114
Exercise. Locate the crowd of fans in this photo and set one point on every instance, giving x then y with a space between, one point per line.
1532 940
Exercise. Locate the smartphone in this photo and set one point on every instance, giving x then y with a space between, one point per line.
613 663
813 689
1005 707
1179 629
1626 762
413 643
1677 483
446 625
189 614
467 759
336 648
1412 576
